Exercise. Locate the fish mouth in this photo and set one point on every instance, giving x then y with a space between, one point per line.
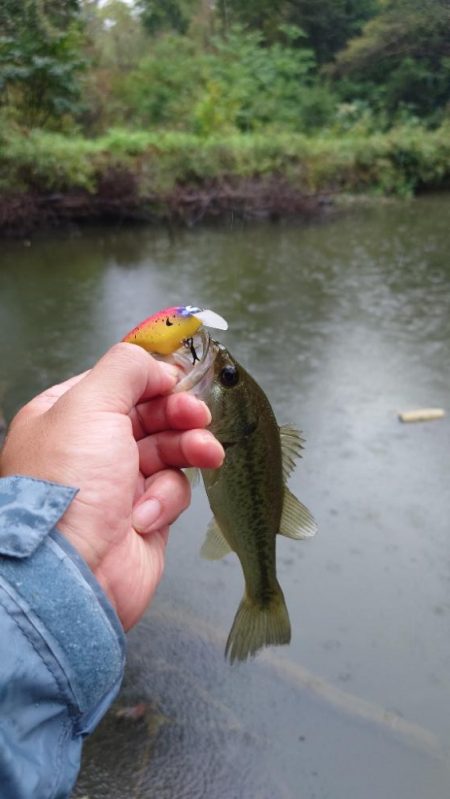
195 360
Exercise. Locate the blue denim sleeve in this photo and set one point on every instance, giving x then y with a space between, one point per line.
62 647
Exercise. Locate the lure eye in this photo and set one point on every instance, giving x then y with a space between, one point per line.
229 376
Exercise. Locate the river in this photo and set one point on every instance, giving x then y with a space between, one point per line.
344 322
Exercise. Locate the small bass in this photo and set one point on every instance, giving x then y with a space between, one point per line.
248 494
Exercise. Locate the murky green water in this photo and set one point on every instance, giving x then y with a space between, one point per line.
344 323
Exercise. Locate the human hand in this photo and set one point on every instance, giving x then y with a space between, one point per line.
118 435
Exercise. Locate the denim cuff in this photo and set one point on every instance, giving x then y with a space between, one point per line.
57 591
29 509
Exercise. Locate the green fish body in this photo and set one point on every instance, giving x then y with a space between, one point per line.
250 501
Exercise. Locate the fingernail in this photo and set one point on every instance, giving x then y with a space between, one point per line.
146 514
207 437
214 444
209 417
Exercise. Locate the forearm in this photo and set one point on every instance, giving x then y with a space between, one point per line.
62 646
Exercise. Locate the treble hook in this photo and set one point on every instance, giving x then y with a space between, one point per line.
189 343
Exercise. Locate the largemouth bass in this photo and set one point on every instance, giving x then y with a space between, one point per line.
248 494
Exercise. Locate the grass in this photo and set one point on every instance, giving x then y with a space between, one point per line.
158 162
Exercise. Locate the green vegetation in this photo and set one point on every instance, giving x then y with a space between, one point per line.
343 95
402 59
396 162
41 55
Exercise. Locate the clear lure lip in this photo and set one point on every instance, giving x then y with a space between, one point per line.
192 375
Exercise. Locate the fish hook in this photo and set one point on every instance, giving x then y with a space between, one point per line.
189 343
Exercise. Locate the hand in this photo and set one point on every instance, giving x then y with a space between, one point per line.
118 435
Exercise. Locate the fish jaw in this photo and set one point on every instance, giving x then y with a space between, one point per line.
197 377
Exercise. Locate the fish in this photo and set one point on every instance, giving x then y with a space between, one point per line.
166 331
248 494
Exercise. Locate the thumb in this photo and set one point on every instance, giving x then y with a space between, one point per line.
125 375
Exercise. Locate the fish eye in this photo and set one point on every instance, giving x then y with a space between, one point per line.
229 376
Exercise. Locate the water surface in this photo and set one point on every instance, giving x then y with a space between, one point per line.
344 323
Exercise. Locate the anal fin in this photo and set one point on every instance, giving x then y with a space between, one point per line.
296 520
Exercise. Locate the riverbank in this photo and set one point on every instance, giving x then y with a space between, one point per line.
125 175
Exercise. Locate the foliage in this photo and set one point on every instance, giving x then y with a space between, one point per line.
338 95
328 25
235 84
398 162
115 43
402 57
40 59
115 36
167 15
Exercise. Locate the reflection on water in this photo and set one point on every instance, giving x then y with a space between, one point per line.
344 324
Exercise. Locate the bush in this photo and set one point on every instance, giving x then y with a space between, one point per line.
236 84
398 162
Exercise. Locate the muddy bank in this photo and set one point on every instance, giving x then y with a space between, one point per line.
117 199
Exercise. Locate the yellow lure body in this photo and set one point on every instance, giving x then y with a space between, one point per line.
165 331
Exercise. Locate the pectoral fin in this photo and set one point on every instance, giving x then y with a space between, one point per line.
215 546
193 475
296 520
291 447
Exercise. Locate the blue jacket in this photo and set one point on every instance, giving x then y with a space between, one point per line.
62 647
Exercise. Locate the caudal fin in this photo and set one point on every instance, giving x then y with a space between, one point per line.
257 625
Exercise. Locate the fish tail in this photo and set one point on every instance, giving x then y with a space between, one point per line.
258 624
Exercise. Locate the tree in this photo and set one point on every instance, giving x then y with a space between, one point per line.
115 34
40 58
402 56
328 24
168 15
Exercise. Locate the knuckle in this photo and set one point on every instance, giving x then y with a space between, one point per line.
124 351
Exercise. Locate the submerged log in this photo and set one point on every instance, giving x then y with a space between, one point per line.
422 415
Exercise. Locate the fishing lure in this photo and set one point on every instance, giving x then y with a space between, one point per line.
166 331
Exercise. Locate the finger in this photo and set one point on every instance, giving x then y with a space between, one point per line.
174 412
166 495
46 399
123 377
189 448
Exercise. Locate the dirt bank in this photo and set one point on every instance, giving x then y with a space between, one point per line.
118 200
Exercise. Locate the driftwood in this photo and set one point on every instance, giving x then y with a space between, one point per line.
422 415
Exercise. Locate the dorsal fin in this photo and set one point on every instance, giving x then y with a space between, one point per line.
291 447
296 520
